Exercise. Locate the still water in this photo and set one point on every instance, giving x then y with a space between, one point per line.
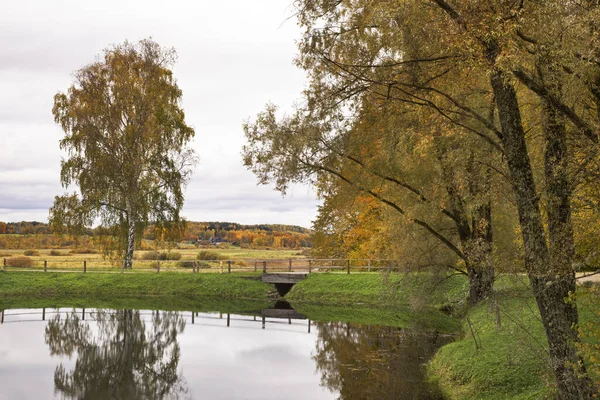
138 354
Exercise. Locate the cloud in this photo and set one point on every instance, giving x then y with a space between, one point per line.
233 58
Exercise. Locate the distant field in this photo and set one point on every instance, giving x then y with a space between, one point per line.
63 259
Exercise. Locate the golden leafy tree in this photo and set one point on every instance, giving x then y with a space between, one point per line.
125 139
481 71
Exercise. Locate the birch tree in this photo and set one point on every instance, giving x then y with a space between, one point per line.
126 144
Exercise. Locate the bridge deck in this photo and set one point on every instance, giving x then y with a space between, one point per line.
284 277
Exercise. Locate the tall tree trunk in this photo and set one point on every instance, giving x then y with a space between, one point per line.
479 252
128 262
550 288
479 248
475 240
562 247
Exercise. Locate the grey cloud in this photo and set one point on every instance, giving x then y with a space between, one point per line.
233 58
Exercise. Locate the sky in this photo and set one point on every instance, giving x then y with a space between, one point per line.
233 58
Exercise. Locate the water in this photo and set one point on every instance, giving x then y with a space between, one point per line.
137 354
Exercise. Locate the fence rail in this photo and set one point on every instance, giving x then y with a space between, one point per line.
307 265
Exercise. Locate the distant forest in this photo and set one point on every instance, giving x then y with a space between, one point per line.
200 233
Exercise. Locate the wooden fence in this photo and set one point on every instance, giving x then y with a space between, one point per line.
307 265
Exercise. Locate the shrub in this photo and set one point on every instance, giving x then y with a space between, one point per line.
209 255
241 263
55 253
186 264
155 255
84 250
151 255
5 255
19 262
31 253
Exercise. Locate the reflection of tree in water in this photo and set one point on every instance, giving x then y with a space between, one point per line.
123 360
366 362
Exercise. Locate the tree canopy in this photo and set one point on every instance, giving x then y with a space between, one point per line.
450 113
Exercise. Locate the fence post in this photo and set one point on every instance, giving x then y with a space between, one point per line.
84 266
290 267
157 267
264 267
229 267
4 265
348 267
369 265
45 265
309 265
255 266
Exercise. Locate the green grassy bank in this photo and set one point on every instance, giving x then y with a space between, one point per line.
502 353
417 290
177 289
388 300
401 300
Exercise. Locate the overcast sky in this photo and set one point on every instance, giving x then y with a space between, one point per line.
234 57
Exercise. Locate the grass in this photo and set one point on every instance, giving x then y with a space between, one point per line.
382 290
48 285
400 300
498 361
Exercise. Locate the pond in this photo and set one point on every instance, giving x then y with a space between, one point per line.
268 354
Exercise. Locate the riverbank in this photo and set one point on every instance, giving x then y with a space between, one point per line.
376 299
416 290
29 289
503 351
365 289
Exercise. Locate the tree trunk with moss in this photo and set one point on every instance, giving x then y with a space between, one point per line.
550 273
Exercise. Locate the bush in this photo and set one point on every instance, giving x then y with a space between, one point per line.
151 255
155 255
84 250
5 255
209 255
31 253
241 263
55 253
19 262
185 264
